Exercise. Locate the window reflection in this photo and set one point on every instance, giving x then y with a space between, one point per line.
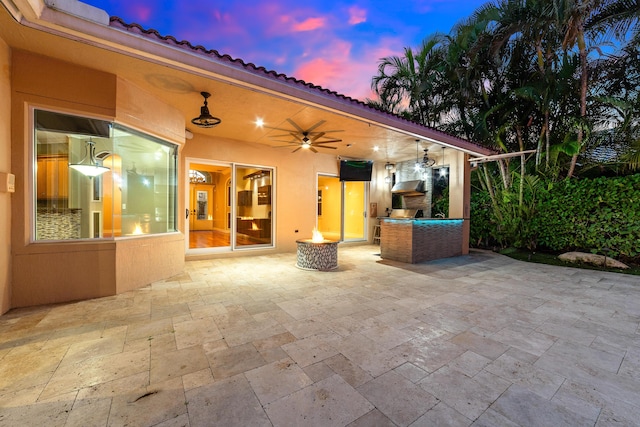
136 195
254 203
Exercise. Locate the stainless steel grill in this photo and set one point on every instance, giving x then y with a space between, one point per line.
405 213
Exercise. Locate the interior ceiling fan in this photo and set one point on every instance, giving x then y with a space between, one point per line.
308 139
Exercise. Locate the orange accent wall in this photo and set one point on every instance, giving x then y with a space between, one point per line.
354 208
329 223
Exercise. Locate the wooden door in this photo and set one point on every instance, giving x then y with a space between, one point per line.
201 207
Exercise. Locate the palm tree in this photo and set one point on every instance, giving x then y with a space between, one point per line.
526 52
618 94
405 83
616 19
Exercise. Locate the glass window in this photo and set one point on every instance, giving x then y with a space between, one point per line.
253 206
96 179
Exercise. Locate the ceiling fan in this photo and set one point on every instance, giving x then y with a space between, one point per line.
308 139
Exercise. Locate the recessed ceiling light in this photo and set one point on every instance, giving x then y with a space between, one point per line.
259 122
376 148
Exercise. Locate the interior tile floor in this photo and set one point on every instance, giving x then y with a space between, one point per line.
478 340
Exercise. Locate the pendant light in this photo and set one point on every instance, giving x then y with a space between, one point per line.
443 170
418 166
88 166
389 167
426 161
205 120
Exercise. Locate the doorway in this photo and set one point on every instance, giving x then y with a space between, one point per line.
209 207
341 211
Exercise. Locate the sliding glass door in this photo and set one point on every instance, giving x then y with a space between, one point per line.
253 206
341 209
229 206
209 207
354 214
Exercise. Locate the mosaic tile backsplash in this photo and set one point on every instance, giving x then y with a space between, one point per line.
58 224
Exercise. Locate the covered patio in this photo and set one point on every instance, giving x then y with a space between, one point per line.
479 340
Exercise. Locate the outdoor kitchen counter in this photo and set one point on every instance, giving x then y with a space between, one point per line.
413 240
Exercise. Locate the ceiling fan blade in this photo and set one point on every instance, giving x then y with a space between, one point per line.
335 130
320 123
294 124
314 137
313 149
296 149
275 128
289 142
328 141
325 146
293 134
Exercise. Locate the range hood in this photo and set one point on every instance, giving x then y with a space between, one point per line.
409 188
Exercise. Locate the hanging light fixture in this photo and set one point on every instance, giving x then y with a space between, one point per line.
426 161
443 170
88 166
306 142
389 167
205 120
418 165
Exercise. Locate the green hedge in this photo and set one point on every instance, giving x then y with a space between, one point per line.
598 215
483 225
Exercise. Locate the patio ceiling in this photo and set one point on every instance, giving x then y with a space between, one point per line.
240 95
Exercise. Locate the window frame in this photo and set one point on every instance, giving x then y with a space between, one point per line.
172 222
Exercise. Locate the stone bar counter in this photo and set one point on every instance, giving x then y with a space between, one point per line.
420 239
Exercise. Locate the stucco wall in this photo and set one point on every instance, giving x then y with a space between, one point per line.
380 193
51 272
144 260
5 166
460 191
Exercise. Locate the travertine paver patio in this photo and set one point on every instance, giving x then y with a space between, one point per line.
477 340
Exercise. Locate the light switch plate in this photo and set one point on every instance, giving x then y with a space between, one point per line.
7 182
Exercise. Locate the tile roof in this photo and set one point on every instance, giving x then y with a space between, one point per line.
134 28
117 22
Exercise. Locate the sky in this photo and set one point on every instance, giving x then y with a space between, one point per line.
334 44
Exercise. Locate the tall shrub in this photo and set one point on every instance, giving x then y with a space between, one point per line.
599 215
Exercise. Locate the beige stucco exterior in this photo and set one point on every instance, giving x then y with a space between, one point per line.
69 60
52 272
459 191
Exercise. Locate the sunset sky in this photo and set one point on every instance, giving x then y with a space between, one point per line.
334 44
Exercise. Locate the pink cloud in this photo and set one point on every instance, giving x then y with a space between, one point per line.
357 15
337 69
283 39
310 24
